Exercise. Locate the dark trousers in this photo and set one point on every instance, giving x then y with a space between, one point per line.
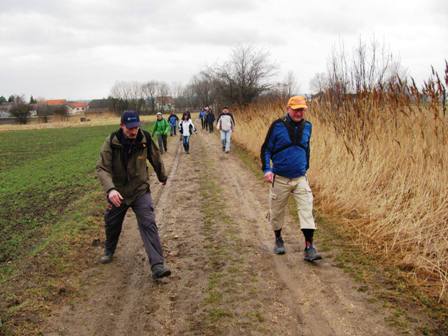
162 139
210 126
173 130
203 123
144 212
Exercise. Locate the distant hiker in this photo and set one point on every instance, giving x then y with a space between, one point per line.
186 129
209 120
226 125
202 116
173 119
287 145
161 130
123 173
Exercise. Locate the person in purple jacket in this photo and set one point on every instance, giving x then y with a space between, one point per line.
287 145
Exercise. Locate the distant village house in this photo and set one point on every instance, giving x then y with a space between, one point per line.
74 108
164 103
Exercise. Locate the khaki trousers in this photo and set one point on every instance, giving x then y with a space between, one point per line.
279 193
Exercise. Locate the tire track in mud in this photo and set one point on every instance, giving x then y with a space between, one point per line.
173 305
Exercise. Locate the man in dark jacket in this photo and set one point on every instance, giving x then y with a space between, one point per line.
123 173
209 120
173 120
287 145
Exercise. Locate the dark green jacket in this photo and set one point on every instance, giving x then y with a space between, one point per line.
128 173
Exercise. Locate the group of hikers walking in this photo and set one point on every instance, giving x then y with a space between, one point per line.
162 127
207 118
122 171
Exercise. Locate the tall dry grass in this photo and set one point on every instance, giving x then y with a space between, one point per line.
379 160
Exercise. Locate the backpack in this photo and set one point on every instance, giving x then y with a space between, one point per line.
295 141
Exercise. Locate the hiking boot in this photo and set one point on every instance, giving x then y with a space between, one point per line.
311 254
279 246
160 271
106 258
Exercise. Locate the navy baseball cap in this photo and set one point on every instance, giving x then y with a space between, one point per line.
130 119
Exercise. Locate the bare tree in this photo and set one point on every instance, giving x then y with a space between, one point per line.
176 89
43 111
369 66
128 95
163 92
245 76
203 87
20 109
188 100
291 86
284 89
318 83
149 91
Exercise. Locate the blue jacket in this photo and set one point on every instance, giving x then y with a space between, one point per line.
289 154
173 119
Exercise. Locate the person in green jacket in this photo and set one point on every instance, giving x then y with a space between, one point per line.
161 130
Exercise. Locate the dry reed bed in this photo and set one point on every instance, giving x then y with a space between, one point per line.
382 168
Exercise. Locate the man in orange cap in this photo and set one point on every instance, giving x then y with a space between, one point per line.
287 146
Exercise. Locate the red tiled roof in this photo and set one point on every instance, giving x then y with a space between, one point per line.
165 99
77 104
53 102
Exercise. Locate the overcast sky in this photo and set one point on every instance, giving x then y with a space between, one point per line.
77 49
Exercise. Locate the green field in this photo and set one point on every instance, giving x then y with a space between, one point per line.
51 210
42 172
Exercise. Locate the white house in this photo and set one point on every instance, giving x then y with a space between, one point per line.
76 107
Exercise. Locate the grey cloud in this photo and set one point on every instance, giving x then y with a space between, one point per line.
53 25
108 40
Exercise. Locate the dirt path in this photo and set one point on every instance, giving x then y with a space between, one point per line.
226 280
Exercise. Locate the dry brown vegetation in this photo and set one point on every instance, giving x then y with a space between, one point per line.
378 160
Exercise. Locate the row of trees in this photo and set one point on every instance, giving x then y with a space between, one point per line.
246 76
12 99
249 75
140 96
367 67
